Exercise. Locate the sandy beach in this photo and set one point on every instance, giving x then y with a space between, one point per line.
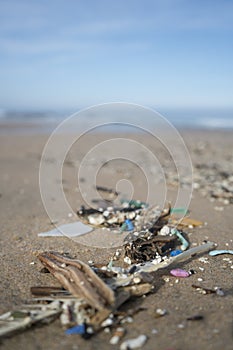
23 216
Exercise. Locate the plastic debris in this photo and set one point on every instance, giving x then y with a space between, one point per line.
179 273
134 204
129 224
218 252
79 329
186 221
91 295
183 211
175 252
86 298
134 343
69 230
184 242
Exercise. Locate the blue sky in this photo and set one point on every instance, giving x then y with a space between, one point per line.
69 54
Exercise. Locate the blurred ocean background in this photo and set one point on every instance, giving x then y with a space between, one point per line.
174 56
47 121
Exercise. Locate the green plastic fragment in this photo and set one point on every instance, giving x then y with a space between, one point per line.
135 203
180 210
123 227
184 243
110 265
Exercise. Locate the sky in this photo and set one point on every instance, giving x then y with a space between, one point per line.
67 54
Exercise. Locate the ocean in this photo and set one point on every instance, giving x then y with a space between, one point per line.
47 121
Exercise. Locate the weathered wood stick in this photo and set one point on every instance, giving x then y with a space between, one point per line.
79 279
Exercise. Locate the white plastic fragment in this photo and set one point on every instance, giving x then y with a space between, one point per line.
134 343
69 230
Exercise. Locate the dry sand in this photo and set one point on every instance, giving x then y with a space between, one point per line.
22 216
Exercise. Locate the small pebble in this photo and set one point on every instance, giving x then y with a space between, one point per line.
219 291
165 230
204 260
107 330
181 326
160 312
107 322
166 279
127 260
195 318
215 330
118 334
137 280
127 319
218 208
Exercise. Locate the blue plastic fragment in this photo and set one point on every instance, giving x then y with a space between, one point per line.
223 251
78 329
175 252
130 226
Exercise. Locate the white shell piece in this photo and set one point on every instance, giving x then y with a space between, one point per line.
134 343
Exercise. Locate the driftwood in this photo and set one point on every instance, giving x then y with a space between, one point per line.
79 279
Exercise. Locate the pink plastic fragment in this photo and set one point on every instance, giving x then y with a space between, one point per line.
179 273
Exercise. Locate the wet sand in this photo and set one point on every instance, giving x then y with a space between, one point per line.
22 216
